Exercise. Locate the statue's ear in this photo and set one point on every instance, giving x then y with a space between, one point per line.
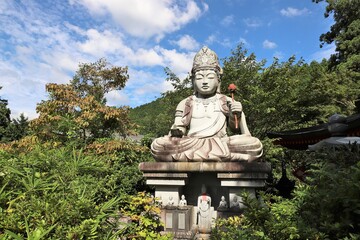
191 75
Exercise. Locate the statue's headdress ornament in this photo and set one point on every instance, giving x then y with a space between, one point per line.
206 59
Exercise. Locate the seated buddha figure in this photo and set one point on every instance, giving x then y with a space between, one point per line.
199 132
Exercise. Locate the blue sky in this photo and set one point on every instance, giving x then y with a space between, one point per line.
43 41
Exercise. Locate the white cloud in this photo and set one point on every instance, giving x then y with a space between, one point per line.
226 42
117 98
187 42
293 12
279 55
214 38
211 39
147 18
179 63
325 52
228 20
142 87
147 57
99 44
245 42
269 45
40 48
253 22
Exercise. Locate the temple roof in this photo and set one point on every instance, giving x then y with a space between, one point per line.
300 138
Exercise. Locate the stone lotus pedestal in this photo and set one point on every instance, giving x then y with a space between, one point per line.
229 179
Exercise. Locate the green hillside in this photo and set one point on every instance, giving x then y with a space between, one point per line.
152 118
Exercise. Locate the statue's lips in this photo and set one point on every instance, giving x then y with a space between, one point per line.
205 88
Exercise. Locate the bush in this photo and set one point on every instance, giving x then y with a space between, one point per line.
327 206
143 212
67 193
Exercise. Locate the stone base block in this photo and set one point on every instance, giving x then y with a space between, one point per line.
178 221
221 180
219 167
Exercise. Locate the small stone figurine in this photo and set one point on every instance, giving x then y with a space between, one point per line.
171 201
235 205
182 202
223 204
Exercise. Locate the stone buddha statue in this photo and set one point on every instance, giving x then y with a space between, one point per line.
199 132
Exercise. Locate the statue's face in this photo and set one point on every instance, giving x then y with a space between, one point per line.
206 82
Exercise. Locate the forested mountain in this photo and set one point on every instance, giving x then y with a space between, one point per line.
152 118
155 119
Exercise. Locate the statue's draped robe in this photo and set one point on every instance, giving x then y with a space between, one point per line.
206 139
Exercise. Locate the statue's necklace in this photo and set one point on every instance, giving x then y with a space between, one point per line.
206 101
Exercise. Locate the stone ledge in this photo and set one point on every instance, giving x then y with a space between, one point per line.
165 182
251 183
252 175
219 167
165 175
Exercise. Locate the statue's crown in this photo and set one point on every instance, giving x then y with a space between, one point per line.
206 59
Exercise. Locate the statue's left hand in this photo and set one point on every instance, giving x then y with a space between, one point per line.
176 133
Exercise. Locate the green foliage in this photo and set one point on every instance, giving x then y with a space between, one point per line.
286 95
332 204
345 33
65 193
14 129
97 79
326 207
155 118
152 118
275 220
345 30
143 211
17 129
4 117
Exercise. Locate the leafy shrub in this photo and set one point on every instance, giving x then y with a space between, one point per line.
327 206
66 193
143 211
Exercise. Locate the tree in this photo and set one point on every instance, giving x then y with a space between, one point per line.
4 117
286 95
273 96
97 79
78 110
17 128
345 33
